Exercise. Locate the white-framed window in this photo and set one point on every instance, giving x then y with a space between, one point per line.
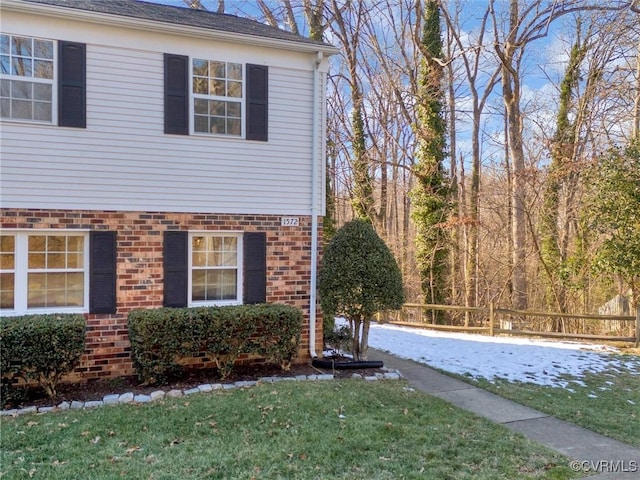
218 97
27 78
44 272
215 268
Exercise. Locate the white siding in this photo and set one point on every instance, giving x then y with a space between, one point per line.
124 161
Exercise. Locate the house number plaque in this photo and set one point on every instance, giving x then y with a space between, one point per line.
289 221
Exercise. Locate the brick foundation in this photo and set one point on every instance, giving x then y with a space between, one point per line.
140 270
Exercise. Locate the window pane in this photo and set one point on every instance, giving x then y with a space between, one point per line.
200 85
234 89
43 69
200 106
21 46
7 243
22 109
56 243
200 67
217 107
75 298
37 285
5 88
234 71
198 293
229 259
233 109
215 243
74 289
56 260
4 44
22 66
37 260
218 69
214 259
37 243
5 65
217 125
75 260
6 290
21 89
201 124
42 91
199 259
216 87
75 244
199 277
42 111
43 49
5 107
233 127
7 261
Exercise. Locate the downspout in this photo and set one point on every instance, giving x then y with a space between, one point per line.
316 176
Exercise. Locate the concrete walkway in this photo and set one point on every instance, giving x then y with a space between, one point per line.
590 451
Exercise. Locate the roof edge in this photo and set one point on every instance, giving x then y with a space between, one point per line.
163 27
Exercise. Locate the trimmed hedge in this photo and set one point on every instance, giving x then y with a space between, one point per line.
43 348
161 337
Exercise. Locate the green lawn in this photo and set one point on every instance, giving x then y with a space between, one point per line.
300 430
607 403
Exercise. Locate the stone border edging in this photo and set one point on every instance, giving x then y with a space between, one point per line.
129 397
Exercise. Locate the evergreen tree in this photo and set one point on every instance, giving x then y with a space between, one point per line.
359 278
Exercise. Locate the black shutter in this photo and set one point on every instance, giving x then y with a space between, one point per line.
72 84
176 94
176 268
257 102
255 267
102 272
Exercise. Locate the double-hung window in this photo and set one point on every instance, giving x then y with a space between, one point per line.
216 268
217 97
26 78
44 272
210 97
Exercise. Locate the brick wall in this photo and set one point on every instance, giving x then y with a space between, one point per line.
140 267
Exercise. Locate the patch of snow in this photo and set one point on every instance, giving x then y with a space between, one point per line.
543 362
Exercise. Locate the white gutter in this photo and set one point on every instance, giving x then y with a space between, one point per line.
316 176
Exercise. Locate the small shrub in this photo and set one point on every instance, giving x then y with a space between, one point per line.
339 339
161 337
359 277
43 348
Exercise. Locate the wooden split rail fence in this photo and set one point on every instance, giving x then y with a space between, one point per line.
492 328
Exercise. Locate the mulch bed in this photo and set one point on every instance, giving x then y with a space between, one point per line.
98 388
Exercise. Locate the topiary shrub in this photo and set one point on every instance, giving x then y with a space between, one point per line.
161 337
359 277
43 348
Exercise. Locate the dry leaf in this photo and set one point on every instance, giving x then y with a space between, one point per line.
95 440
130 450
31 423
85 433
